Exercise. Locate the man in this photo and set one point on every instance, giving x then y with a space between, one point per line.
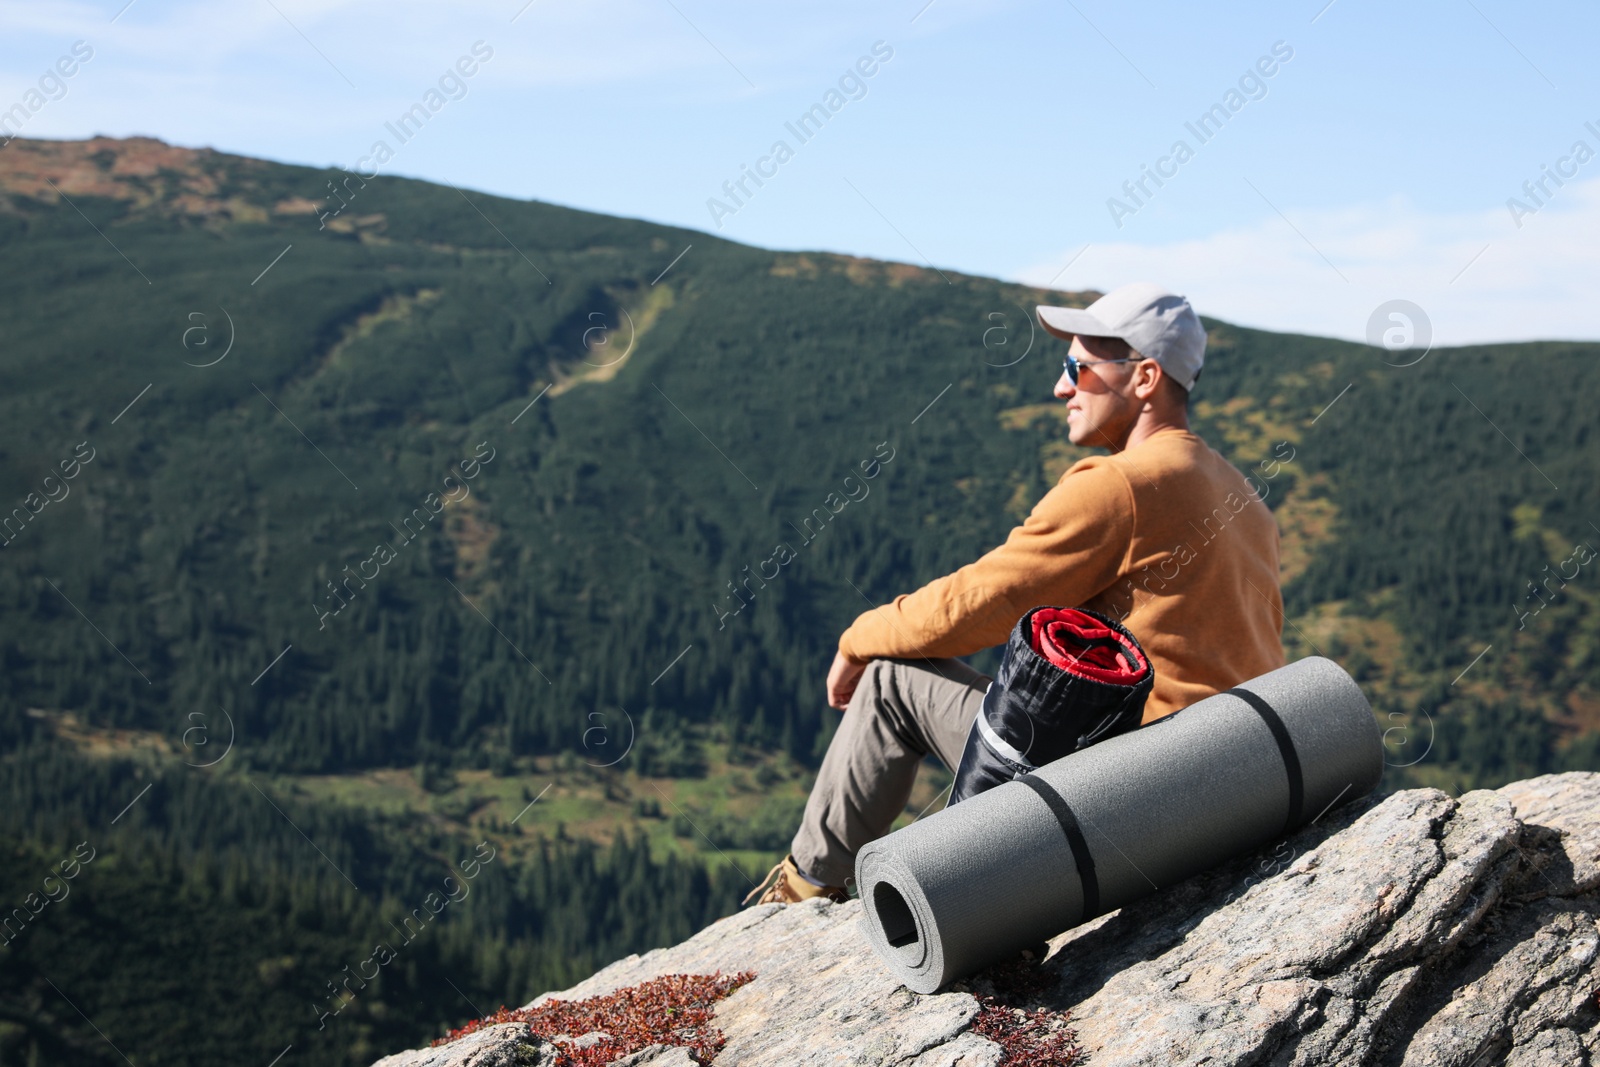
1162 533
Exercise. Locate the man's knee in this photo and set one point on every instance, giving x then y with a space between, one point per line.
870 687
908 698
926 683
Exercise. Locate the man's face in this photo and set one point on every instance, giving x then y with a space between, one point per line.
1098 412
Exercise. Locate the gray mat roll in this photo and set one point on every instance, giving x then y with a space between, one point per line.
1011 867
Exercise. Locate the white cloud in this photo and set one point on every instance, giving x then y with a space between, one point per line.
1536 282
553 42
268 79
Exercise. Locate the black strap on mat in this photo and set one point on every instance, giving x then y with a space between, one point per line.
1075 841
1291 761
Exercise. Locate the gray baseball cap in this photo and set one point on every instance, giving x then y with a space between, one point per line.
1158 324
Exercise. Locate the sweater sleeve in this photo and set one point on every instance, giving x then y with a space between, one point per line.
1070 547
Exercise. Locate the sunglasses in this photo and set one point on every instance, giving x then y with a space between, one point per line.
1072 363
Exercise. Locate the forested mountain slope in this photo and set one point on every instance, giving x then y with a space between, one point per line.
281 495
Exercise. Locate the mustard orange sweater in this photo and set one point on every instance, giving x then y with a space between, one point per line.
1166 536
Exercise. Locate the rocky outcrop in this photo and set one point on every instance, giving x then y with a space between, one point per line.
1414 930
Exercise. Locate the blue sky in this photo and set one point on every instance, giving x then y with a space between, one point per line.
1373 164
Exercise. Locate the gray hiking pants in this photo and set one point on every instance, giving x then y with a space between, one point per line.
902 710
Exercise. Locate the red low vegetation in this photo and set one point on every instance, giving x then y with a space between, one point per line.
1037 1038
674 1009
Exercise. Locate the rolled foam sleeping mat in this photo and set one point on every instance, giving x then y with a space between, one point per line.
1019 863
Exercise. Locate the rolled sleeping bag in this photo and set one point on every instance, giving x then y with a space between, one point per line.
1015 865
1067 679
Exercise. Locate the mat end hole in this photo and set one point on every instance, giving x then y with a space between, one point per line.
894 916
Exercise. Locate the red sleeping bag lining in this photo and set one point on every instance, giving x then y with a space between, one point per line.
1080 644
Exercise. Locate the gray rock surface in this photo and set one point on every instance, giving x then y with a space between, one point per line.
506 1045
1415 930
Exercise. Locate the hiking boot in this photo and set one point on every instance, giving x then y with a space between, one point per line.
784 885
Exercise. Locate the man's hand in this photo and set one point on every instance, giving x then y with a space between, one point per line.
842 679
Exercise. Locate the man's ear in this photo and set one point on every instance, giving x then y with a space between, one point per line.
1147 378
